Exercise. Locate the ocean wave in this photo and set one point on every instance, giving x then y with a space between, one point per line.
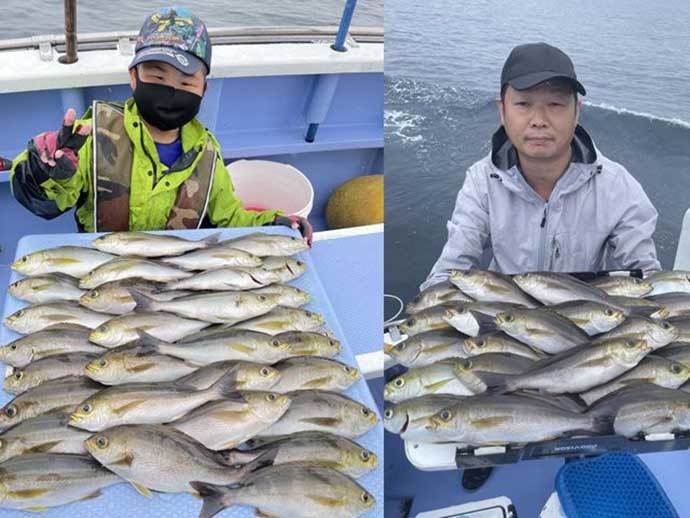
403 125
624 111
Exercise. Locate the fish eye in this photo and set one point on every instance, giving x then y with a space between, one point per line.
299 263
93 294
365 498
103 329
676 368
666 325
509 317
19 313
271 396
102 363
13 347
102 441
366 411
480 343
364 455
609 312
388 414
332 343
18 375
630 343
446 415
467 364
264 371
262 297
25 259
86 408
11 411
309 313
275 343
347 369
411 322
399 382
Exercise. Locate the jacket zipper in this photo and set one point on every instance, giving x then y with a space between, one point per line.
542 242
153 163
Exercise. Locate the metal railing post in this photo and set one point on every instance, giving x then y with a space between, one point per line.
70 55
345 21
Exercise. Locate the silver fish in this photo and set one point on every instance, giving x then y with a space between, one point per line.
315 491
50 287
461 377
214 258
434 295
288 296
234 419
477 317
508 419
542 329
488 286
669 281
640 307
263 245
623 285
49 342
287 268
281 320
228 279
656 333
124 329
320 448
429 319
32 319
652 369
409 418
670 414
592 317
555 288
61 394
322 411
47 433
429 347
46 369
75 261
144 244
682 324
161 458
128 267
310 372
581 369
248 375
135 363
228 307
498 342
116 297
675 304
38 481
145 403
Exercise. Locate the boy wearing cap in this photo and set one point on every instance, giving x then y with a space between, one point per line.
147 163
545 198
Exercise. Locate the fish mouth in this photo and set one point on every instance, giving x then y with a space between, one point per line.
91 369
75 419
405 425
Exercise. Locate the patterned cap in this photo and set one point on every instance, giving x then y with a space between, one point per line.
175 36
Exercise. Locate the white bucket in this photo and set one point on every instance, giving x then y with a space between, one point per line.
263 185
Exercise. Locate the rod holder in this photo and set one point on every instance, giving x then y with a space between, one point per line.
345 21
70 55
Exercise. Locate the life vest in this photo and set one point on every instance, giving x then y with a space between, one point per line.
112 176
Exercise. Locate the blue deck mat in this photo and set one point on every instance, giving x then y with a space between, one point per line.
122 500
611 485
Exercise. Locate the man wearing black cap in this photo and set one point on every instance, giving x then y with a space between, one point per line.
545 198
147 163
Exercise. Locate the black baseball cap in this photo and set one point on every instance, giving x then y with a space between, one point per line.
533 63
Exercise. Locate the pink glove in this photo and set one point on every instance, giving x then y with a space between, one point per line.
297 223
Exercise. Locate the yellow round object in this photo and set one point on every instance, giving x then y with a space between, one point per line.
357 202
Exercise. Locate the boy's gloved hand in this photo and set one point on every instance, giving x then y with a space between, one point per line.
298 223
56 152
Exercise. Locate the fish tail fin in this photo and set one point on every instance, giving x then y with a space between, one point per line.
211 240
150 344
143 303
216 498
265 459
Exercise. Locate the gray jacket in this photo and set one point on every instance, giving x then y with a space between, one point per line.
597 217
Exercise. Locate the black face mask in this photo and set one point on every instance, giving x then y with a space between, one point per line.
165 107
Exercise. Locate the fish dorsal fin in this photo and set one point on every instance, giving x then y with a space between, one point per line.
142 489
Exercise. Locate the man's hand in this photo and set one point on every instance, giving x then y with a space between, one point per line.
297 223
57 151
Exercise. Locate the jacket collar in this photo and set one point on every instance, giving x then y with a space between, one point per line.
504 155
